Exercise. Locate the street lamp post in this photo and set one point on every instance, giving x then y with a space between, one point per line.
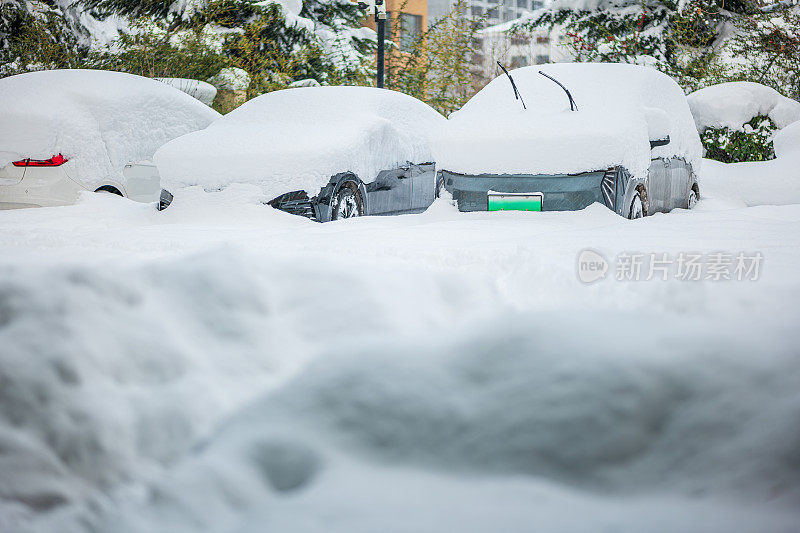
378 7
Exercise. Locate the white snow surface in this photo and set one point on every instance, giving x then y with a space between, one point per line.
98 120
493 134
787 140
297 139
201 90
222 366
733 104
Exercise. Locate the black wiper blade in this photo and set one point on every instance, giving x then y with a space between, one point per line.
572 105
513 85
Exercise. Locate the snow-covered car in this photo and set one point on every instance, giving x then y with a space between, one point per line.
67 131
563 136
326 153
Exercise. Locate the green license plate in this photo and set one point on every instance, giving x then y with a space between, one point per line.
515 201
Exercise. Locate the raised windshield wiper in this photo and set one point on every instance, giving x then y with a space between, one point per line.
513 85
572 105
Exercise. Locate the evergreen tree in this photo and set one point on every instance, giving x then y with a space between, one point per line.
682 38
769 42
347 47
35 37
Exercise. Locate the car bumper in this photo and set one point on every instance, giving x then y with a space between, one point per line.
31 194
568 192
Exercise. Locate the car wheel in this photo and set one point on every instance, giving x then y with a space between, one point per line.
637 207
347 203
694 197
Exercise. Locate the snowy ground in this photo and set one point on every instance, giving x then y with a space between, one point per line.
222 366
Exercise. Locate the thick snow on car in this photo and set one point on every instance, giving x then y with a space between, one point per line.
67 131
563 136
322 152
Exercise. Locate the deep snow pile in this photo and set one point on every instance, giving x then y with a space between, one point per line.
787 141
617 103
297 139
733 104
773 182
99 120
223 366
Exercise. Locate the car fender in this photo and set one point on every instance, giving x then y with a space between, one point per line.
322 205
631 184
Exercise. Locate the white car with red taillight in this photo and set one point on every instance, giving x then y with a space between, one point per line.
67 131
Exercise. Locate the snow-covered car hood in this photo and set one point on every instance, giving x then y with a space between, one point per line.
619 106
296 139
99 120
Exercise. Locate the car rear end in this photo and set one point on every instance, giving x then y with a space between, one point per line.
36 183
527 192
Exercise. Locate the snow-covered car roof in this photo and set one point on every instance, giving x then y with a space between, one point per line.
296 139
735 103
621 107
99 120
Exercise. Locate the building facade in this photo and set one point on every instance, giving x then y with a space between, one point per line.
515 50
406 20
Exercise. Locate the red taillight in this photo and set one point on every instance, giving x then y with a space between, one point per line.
54 161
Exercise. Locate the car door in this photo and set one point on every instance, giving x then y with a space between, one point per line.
680 176
658 190
423 186
390 192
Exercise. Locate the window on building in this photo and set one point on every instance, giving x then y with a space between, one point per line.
519 61
477 11
523 4
542 59
543 40
508 16
409 30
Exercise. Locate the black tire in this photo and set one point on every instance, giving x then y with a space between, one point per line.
347 203
637 209
109 189
694 197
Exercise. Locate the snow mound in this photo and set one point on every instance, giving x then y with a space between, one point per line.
297 139
773 182
525 398
787 140
733 104
99 120
493 134
203 91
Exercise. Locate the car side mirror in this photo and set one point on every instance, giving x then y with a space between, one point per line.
659 142
659 126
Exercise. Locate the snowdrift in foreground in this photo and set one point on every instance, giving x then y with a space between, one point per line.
733 104
493 134
773 182
523 397
297 139
99 120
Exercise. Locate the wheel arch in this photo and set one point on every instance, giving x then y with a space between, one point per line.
111 188
323 206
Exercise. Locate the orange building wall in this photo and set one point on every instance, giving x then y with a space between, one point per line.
414 7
